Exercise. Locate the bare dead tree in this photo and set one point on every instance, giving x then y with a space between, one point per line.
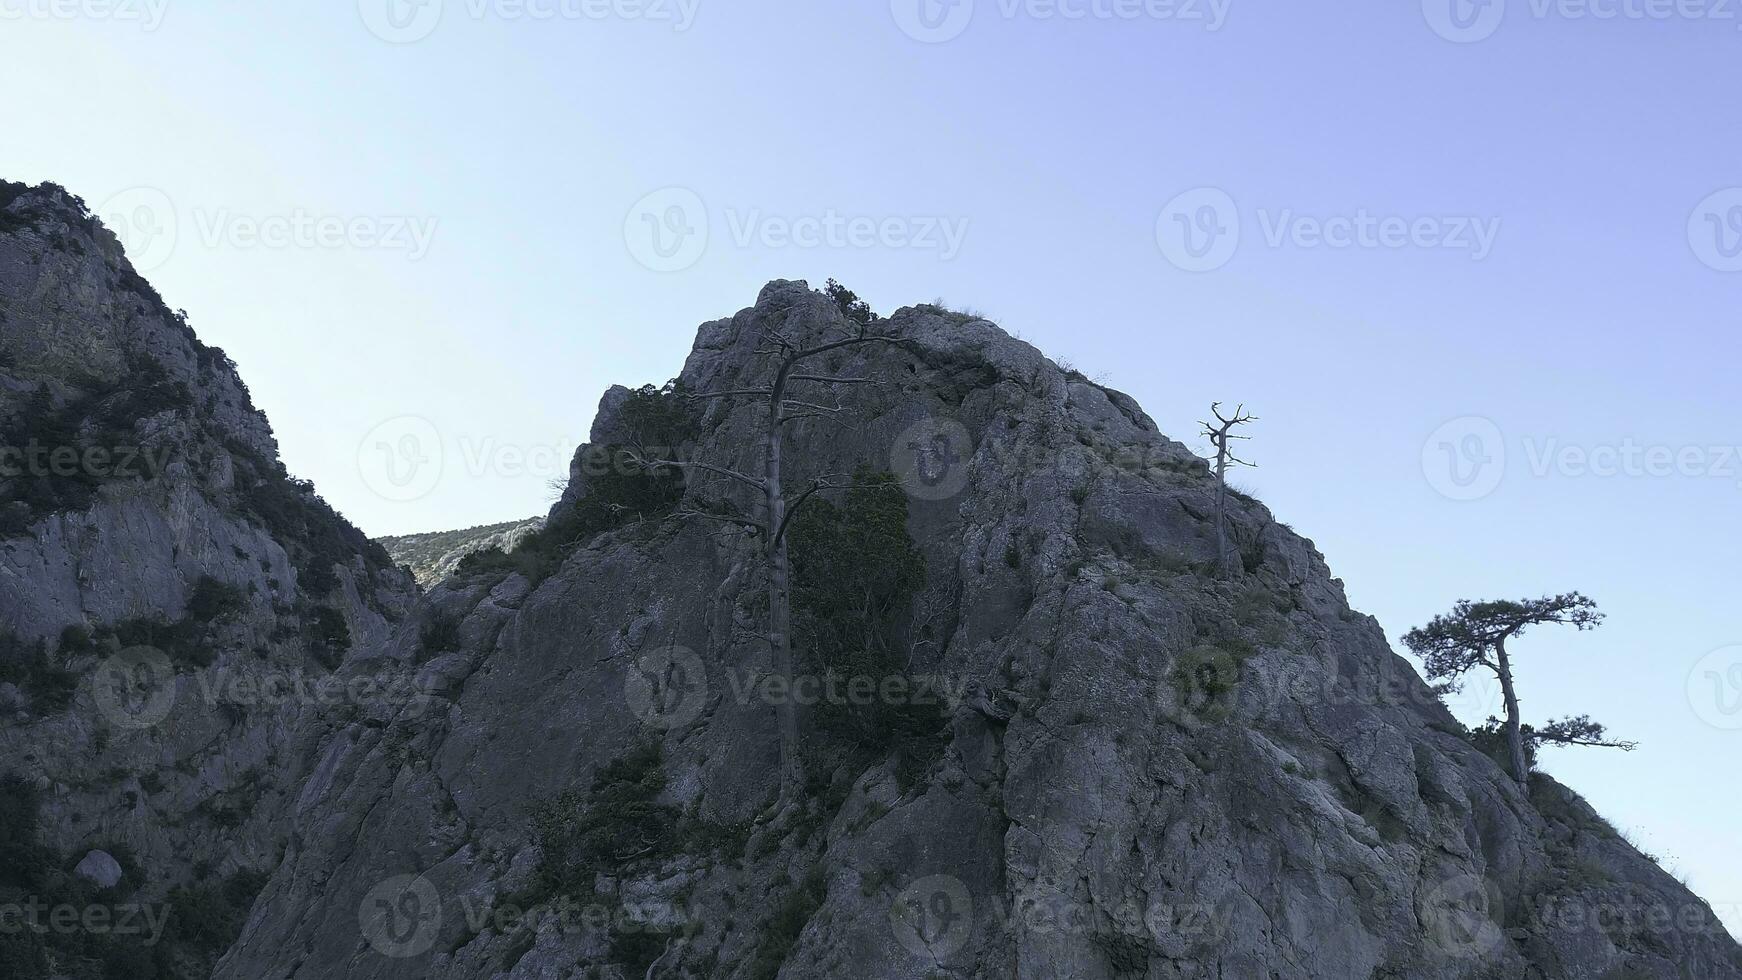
788 400
1221 434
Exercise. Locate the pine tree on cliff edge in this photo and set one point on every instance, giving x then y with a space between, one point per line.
1474 634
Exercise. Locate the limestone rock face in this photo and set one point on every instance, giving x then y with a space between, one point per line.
99 868
434 555
167 593
1127 763
1147 769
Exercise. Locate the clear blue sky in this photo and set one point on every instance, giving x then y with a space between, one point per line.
1600 310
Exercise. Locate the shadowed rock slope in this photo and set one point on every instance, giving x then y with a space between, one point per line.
1131 767
155 561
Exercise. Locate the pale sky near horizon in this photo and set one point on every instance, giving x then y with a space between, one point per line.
1477 268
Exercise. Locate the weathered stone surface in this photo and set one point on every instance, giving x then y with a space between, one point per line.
99 868
185 741
1149 770
434 555
1092 816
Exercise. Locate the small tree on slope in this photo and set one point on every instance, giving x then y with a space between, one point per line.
784 398
1474 635
1221 434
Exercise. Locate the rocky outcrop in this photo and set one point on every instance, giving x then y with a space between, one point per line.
433 556
1043 735
1133 766
168 594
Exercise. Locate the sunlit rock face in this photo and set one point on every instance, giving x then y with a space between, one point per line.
434 555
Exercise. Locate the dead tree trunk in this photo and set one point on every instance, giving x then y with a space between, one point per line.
1220 435
778 513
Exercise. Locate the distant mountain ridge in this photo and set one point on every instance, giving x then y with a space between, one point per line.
433 555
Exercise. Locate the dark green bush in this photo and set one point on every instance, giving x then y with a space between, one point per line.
37 672
440 633
213 600
194 934
101 414
636 948
785 925
328 636
316 536
76 640
617 821
208 916
619 493
855 573
184 641
849 303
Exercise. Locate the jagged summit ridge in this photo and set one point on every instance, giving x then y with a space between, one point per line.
1104 758
1143 768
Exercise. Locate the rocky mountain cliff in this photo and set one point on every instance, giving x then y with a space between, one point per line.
164 587
433 556
1043 735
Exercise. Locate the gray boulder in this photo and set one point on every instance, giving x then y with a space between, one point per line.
99 868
